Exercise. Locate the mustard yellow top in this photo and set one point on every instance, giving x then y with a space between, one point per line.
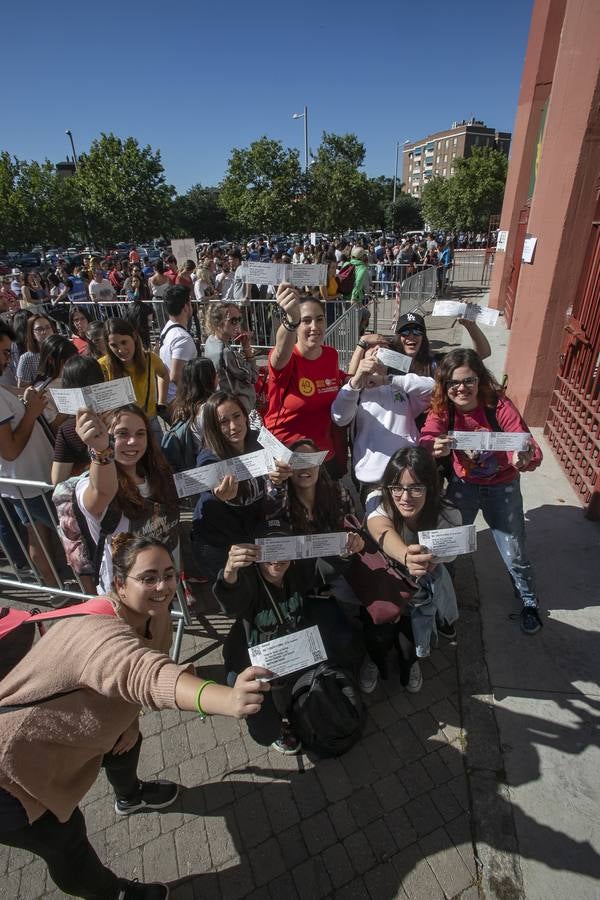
140 380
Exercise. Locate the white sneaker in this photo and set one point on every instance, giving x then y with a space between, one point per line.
415 679
368 676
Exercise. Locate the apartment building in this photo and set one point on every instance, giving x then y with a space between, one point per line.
437 153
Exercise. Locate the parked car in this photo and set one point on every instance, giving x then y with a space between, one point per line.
29 261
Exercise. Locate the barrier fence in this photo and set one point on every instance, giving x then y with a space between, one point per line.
31 571
472 266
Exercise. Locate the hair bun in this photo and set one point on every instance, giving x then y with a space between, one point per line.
121 540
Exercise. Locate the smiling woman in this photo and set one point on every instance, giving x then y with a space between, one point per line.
130 486
304 375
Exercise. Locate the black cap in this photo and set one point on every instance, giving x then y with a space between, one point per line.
413 319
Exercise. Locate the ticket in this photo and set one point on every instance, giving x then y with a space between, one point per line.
290 653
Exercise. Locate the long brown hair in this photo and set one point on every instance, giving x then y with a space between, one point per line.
488 388
421 463
152 466
31 342
115 366
213 436
328 501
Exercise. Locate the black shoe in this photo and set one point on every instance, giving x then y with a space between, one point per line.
530 620
150 795
445 629
135 890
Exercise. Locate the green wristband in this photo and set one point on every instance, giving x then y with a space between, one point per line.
199 695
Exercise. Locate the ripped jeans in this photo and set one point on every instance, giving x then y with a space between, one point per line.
502 509
436 597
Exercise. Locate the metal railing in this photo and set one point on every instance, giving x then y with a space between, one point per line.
26 574
344 333
472 266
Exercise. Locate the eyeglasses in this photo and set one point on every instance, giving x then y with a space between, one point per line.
42 330
413 329
152 581
454 385
413 490
235 320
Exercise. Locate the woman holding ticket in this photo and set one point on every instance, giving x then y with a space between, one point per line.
304 377
469 409
95 673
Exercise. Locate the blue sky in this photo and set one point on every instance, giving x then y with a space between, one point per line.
195 79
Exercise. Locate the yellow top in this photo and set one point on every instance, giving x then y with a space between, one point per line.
140 380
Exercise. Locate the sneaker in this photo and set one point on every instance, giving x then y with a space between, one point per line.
530 620
415 679
150 795
135 890
287 742
368 676
445 629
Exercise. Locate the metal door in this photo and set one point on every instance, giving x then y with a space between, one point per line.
513 281
573 426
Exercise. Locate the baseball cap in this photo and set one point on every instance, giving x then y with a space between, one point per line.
413 319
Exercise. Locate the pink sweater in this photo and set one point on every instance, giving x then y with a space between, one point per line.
489 467
50 754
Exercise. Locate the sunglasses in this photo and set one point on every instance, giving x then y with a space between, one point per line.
412 329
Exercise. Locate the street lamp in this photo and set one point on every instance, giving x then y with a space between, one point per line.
70 136
304 115
396 167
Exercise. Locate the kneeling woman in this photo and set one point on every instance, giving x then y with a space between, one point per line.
269 599
100 670
409 501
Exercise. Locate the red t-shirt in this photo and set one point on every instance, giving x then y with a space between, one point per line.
134 256
299 398
171 275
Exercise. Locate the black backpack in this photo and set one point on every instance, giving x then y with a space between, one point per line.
327 712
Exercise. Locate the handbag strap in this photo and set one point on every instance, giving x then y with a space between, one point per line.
272 600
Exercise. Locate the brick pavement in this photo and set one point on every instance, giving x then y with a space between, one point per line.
388 819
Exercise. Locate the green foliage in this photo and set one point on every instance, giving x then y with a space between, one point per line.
263 189
122 190
339 196
471 196
37 206
198 213
405 214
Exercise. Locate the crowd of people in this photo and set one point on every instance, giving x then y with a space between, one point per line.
389 472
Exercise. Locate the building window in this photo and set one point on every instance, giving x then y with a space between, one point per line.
445 157
452 170
444 172
447 142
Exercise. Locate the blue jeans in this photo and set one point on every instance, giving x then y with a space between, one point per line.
502 509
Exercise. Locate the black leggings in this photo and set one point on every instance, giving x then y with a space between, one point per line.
64 846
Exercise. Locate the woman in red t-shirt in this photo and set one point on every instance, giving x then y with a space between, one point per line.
304 376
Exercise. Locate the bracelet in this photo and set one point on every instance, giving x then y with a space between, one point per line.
199 695
287 322
102 459
363 345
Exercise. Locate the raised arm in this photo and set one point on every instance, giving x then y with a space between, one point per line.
288 300
103 483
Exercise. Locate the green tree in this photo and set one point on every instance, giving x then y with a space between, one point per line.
122 190
339 195
477 188
471 196
436 203
405 214
378 199
198 213
263 189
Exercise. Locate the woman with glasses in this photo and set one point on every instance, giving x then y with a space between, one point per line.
407 501
103 670
235 366
129 482
466 397
38 329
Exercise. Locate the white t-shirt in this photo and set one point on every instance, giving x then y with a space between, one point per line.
177 344
223 282
101 291
34 462
450 517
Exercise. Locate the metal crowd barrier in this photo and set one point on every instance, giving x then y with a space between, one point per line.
472 266
344 333
27 577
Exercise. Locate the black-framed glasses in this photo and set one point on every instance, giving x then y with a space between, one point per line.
454 384
413 490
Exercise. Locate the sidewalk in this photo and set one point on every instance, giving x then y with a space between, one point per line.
392 818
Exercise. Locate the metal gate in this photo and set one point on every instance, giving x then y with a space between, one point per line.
573 426
513 281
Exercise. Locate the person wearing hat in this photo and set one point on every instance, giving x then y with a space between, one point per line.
411 340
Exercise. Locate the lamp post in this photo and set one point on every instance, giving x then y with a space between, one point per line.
304 115
69 134
396 167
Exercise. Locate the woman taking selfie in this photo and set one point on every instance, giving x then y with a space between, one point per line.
97 673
